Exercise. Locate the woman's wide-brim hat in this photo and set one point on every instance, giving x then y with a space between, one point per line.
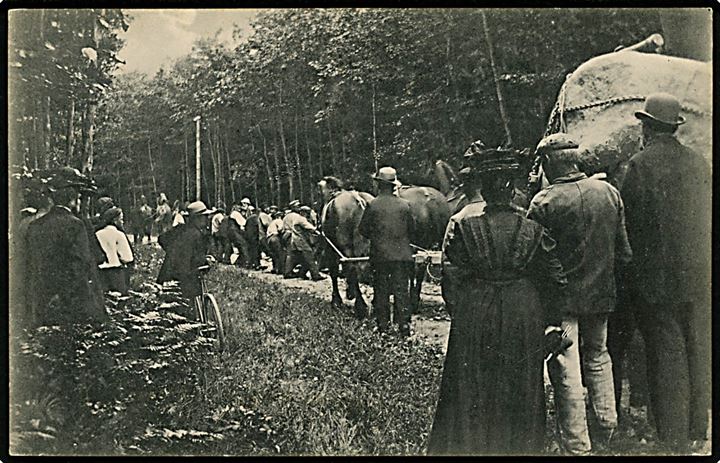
663 108
294 203
199 208
387 175
490 160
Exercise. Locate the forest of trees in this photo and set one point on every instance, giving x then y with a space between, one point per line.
309 93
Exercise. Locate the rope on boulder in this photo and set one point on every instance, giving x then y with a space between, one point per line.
558 112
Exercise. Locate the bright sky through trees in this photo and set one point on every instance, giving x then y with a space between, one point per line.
161 35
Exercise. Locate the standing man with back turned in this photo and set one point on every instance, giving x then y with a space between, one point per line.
586 218
667 191
388 224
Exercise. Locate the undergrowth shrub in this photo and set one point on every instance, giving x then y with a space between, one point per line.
296 377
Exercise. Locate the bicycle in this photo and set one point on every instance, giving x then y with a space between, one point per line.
208 310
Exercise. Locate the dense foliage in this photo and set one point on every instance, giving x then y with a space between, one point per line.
296 377
318 92
61 63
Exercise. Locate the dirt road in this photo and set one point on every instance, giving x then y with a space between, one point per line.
432 325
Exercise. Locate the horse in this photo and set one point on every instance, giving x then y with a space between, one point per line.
142 222
163 217
339 224
431 212
450 185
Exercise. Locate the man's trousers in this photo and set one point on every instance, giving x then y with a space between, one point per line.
392 277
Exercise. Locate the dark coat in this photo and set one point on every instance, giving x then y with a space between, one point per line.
185 249
252 228
388 223
586 217
668 202
61 272
491 396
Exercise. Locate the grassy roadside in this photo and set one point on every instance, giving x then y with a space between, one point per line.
330 384
296 377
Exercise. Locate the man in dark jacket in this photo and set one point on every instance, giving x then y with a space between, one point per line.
60 273
252 236
388 224
586 218
186 247
667 191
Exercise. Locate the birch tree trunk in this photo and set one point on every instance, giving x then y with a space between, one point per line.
309 161
214 163
498 88
376 155
342 143
286 157
152 170
297 161
186 179
332 147
34 145
230 171
276 165
70 130
321 169
90 121
47 134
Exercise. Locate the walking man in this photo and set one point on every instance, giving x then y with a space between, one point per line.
667 191
388 224
586 218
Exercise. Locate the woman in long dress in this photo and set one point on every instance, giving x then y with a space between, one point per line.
113 272
499 267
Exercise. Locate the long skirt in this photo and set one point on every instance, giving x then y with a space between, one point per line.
114 279
492 395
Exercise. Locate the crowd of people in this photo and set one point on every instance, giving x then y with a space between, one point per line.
592 261
289 238
565 280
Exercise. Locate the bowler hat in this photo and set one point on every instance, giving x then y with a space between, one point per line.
199 208
661 107
388 175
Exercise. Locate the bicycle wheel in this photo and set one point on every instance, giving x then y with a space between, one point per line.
212 317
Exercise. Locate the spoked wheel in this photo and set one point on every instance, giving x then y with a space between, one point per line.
214 319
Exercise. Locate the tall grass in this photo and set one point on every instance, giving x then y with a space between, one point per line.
296 377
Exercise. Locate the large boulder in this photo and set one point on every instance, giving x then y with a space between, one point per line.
597 102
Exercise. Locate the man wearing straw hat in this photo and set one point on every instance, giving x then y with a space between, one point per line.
388 224
667 192
186 248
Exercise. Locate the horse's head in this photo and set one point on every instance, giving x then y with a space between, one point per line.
446 177
328 186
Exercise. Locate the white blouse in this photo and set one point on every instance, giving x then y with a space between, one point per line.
116 246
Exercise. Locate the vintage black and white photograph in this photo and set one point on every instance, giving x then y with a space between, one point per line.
360 231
